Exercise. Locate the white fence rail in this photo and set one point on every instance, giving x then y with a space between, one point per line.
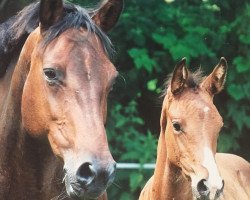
135 166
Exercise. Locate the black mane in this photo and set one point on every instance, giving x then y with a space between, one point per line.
15 31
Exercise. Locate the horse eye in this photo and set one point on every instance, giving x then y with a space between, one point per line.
177 126
50 74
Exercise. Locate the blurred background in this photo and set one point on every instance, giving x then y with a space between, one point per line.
150 37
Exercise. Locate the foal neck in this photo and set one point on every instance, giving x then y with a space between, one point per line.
168 182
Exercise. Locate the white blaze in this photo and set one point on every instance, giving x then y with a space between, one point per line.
214 179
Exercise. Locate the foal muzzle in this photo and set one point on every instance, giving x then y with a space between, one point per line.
205 191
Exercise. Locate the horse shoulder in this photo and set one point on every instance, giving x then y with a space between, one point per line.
236 174
146 191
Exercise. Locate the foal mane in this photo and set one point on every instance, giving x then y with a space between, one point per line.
15 31
193 81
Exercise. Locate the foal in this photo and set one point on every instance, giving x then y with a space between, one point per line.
187 165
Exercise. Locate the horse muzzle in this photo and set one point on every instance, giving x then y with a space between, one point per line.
89 181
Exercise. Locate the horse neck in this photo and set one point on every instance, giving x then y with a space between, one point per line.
21 155
10 121
168 182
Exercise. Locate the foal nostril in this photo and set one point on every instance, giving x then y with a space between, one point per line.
86 173
223 183
202 188
219 191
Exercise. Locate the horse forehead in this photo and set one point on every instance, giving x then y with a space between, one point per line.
78 47
67 43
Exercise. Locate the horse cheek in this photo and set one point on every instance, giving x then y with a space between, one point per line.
33 109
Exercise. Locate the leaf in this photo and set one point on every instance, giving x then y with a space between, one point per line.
168 40
198 29
213 7
142 59
245 39
120 123
125 196
152 85
246 88
225 29
135 180
238 114
226 143
236 91
138 120
242 64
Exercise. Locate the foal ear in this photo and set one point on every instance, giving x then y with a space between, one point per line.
108 14
215 81
179 78
51 11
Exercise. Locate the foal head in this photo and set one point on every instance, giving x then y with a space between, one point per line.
65 94
191 124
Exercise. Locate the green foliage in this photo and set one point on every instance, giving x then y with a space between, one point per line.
141 59
150 37
128 144
152 85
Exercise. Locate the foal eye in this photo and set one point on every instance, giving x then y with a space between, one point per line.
177 126
50 74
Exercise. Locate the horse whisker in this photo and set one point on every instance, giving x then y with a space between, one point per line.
64 178
118 186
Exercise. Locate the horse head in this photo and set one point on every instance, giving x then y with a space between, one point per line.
65 93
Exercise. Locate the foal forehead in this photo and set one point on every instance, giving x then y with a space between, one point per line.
194 104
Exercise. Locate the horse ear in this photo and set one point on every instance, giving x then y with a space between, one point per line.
179 77
215 81
108 14
51 11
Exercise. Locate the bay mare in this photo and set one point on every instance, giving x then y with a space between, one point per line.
187 165
55 78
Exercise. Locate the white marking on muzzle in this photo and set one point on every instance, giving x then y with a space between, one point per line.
214 180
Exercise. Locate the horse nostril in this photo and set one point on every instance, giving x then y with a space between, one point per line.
86 173
202 188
